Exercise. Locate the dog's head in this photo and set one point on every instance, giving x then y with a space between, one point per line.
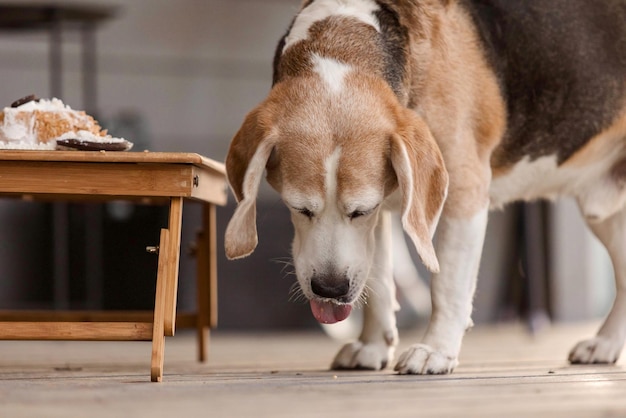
336 152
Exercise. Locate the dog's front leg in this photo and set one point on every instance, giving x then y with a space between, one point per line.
459 247
378 340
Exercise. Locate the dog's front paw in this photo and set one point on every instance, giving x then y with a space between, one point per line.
363 356
597 350
422 359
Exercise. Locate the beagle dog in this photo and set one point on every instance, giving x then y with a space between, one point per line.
440 109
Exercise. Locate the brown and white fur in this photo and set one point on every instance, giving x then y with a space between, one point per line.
440 109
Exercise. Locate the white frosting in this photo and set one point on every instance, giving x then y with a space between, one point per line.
28 145
52 105
14 131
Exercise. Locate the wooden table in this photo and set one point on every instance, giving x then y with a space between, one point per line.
148 177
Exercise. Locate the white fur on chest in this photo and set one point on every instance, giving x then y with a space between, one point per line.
362 10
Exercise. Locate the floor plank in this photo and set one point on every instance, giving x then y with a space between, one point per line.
504 371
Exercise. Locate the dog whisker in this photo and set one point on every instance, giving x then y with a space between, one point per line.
296 294
361 301
287 263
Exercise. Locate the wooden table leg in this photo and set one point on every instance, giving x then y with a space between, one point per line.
173 250
158 333
206 279
202 288
211 227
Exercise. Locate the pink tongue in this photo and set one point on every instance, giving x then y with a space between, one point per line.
328 312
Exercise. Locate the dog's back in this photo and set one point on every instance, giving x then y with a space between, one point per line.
562 67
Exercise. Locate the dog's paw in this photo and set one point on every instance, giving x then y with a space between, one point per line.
597 350
363 356
422 359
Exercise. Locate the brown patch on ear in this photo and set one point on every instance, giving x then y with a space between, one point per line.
245 164
256 127
423 182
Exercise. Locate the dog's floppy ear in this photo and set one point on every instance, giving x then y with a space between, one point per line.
423 182
245 163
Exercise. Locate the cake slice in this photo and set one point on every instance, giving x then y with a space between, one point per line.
32 123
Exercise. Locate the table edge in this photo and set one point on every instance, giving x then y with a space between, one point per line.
113 157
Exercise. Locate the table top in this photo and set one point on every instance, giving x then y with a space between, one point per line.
88 175
113 157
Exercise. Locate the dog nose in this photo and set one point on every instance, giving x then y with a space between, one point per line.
332 287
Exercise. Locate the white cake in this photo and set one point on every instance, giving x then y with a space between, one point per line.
42 124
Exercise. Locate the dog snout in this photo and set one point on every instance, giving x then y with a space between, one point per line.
330 286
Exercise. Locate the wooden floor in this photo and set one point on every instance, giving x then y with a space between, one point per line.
504 372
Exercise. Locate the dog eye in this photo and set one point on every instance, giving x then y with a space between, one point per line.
360 213
306 212
357 214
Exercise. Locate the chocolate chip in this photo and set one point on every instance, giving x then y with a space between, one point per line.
24 100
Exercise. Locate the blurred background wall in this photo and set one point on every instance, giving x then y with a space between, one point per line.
186 72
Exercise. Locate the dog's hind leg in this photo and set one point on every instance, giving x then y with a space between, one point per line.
378 340
607 345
